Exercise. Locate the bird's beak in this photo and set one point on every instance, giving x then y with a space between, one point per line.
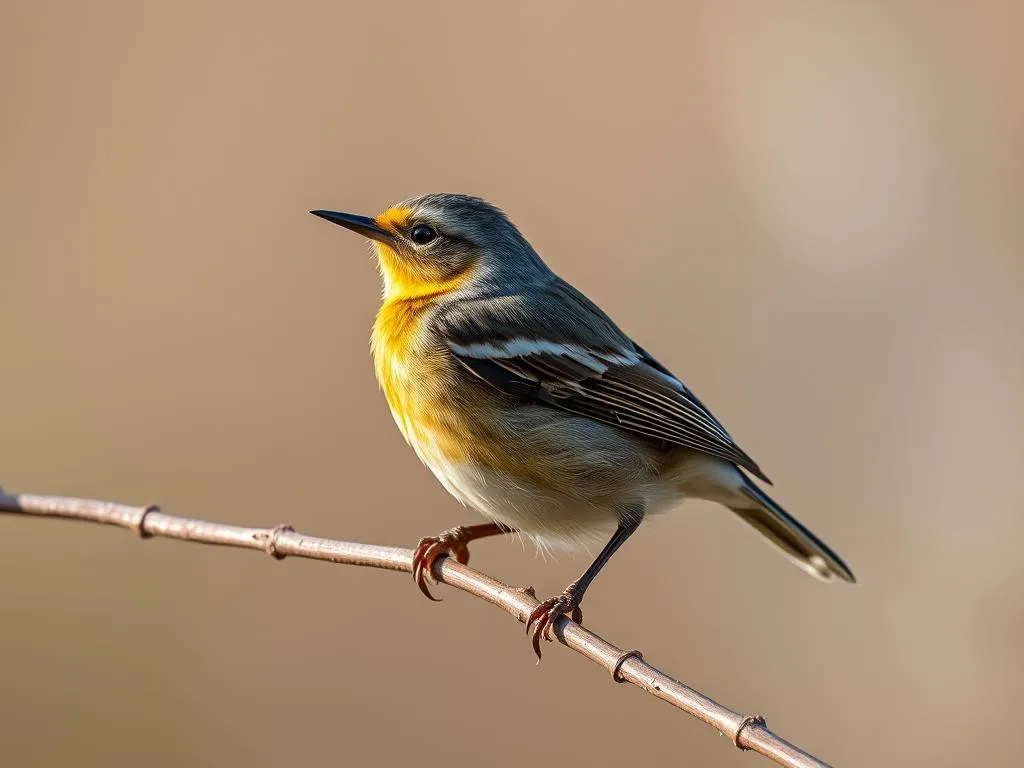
362 225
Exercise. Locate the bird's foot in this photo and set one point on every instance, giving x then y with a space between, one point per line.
546 614
450 542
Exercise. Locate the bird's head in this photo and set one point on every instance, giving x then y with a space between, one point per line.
436 243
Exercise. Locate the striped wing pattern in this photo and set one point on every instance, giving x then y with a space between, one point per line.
587 367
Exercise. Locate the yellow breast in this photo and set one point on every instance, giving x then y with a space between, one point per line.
417 381
395 342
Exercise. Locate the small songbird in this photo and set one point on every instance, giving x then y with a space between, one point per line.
532 407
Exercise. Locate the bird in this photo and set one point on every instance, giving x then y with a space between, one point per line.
533 408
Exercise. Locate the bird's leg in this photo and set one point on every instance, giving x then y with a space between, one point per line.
546 614
450 542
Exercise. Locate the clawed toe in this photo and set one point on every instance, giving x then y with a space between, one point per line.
423 559
431 548
545 615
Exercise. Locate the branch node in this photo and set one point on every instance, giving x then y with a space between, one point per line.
617 666
271 536
139 526
529 592
746 721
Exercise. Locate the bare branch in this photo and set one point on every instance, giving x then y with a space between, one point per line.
746 732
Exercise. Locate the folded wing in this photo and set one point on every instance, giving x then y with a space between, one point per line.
551 345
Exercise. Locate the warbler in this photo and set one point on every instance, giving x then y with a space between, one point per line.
535 409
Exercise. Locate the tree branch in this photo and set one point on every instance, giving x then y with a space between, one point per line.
746 732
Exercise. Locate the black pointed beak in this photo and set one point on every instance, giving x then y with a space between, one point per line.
362 225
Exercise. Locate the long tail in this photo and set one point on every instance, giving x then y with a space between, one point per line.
806 550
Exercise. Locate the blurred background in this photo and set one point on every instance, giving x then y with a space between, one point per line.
810 211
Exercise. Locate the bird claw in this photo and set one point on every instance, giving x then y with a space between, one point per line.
429 549
544 616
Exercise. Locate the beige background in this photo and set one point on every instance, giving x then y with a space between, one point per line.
811 211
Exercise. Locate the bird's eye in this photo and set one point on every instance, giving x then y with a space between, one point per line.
422 234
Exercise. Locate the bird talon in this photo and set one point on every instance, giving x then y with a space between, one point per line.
430 549
427 552
541 623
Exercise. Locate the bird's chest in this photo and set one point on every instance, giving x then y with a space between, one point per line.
416 380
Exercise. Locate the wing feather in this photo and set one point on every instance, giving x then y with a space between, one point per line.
553 346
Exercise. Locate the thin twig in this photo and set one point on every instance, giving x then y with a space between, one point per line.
746 732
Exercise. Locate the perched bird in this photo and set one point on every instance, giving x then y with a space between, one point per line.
532 407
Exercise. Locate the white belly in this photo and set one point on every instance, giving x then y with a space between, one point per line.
552 520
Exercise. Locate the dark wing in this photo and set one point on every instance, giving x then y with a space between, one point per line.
551 345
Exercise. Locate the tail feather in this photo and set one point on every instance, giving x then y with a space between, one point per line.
783 530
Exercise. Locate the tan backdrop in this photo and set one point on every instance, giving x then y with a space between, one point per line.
810 211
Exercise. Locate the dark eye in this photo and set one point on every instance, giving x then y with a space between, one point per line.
422 234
